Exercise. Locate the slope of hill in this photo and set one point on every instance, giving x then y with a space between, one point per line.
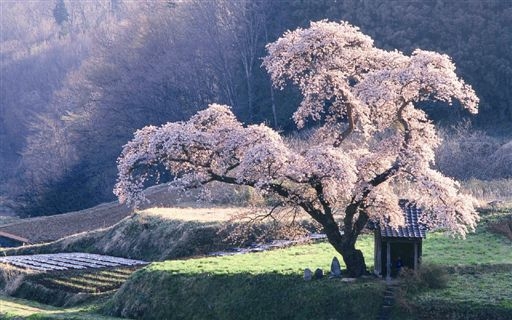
51 228
155 234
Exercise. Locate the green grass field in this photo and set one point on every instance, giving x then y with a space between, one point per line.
14 308
266 285
478 270
289 261
478 248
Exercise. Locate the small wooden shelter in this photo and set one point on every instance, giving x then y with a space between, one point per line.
403 243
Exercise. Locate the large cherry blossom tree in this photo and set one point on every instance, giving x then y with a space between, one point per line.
371 146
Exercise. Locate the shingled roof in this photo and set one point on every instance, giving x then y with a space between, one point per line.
412 228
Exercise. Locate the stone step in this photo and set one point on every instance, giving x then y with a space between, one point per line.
387 302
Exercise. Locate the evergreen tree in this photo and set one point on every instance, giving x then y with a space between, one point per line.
60 13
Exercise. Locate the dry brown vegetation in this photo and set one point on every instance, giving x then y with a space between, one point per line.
11 277
51 228
170 233
45 229
212 214
503 227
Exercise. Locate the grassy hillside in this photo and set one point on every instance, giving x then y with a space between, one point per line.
71 287
149 235
15 309
158 234
53 227
265 285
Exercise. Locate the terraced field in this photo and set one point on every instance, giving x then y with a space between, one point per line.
91 281
68 261
66 279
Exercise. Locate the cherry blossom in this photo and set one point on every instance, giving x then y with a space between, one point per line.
371 138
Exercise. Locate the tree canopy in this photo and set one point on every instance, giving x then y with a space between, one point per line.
370 139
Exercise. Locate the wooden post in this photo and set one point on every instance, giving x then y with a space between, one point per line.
377 254
415 255
388 261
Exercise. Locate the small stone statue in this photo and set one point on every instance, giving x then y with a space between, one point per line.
308 274
319 274
335 268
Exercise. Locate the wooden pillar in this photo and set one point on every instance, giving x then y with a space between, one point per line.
377 269
388 260
415 255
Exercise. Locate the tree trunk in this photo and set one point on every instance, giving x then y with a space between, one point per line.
345 243
354 260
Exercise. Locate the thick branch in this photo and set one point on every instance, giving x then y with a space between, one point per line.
286 193
349 130
397 164
319 189
358 206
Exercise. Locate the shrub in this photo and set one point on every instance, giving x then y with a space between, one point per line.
471 154
501 161
428 276
433 276
465 153
502 226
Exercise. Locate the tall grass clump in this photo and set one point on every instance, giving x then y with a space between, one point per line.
496 192
428 276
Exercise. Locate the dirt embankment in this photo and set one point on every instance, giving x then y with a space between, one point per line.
139 236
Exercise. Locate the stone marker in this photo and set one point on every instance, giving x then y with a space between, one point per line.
308 274
319 274
335 268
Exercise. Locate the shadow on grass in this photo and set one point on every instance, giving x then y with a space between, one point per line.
480 268
473 293
442 309
163 295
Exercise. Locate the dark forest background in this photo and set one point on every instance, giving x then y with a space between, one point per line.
77 78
